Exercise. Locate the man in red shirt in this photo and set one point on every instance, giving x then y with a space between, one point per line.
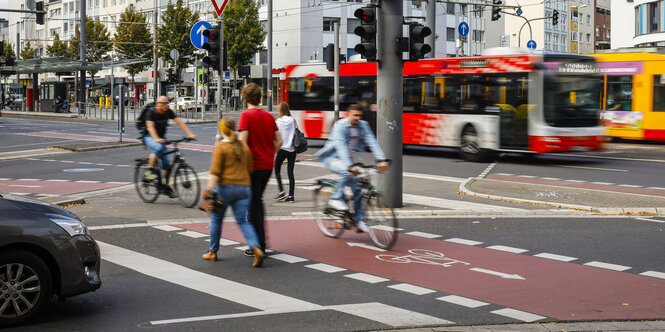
257 127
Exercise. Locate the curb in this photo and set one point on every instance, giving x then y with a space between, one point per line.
113 145
630 211
47 114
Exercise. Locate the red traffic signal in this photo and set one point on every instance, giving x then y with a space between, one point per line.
367 32
366 14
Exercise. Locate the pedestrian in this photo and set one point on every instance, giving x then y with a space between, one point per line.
230 179
257 127
287 129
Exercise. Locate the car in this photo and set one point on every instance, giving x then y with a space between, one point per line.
185 103
45 251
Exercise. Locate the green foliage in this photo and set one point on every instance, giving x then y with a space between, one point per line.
133 40
8 52
98 39
242 31
58 48
28 52
173 34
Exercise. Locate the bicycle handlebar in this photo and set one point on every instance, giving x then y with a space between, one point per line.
184 139
361 165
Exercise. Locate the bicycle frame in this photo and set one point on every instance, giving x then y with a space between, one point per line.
366 189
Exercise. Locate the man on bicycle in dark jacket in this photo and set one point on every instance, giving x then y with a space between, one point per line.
347 135
154 135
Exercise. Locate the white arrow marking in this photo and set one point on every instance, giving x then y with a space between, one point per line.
200 33
500 274
362 245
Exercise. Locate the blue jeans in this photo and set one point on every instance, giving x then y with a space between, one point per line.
347 178
238 197
159 150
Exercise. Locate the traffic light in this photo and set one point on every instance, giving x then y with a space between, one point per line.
214 58
330 57
39 6
496 11
555 17
367 32
169 75
417 46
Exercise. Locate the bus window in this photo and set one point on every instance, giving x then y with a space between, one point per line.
659 93
619 93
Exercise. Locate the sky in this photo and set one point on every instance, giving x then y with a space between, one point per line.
4 4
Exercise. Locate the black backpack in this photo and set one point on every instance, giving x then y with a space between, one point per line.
140 121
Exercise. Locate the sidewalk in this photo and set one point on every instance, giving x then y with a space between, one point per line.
644 325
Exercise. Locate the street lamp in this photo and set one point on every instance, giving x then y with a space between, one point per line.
579 38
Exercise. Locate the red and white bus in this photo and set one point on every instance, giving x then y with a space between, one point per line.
521 102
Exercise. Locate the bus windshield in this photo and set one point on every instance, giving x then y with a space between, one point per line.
572 100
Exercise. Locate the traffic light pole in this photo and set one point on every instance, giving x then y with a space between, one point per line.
430 22
336 79
389 98
220 76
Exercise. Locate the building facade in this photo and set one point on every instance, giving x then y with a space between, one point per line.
643 25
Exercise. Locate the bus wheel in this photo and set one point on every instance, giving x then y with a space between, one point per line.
470 145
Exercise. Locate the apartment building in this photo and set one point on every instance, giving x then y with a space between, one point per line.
603 24
642 23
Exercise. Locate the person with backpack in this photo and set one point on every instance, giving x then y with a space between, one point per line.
287 129
152 125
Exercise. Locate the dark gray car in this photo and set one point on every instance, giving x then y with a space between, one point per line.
45 251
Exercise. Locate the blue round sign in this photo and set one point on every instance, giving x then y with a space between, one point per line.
531 44
463 29
196 34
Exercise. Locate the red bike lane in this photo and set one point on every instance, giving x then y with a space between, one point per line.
560 290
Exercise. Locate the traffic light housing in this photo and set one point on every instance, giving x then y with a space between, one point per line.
39 6
417 46
169 75
330 57
367 32
496 11
555 17
214 58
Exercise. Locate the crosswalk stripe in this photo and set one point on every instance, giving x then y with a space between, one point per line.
517 314
452 204
463 301
417 290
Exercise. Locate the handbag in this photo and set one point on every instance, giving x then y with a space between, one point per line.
211 202
299 141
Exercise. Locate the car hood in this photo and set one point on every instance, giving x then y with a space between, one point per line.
34 205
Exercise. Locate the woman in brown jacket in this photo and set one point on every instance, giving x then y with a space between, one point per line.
230 179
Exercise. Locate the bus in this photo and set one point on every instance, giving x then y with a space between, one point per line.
518 102
633 99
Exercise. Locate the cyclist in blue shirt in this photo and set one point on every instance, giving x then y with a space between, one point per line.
348 135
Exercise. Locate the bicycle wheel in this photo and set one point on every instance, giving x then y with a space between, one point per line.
146 186
381 221
330 225
186 185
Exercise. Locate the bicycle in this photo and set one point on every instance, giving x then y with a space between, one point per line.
149 184
379 217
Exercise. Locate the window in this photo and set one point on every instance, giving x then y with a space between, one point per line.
573 36
105 3
477 11
659 93
450 34
462 10
450 8
64 27
328 23
352 24
653 17
597 31
638 21
588 38
588 19
619 93
478 35
607 33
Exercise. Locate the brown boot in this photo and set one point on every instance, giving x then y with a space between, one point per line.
258 257
210 256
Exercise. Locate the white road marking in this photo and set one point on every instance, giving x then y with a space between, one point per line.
422 234
288 258
654 274
168 228
604 183
325 268
508 249
66 161
389 315
192 234
552 179
595 168
608 266
366 278
452 204
85 163
114 182
649 219
433 177
463 241
82 181
5 179
487 170
527 176
412 289
386 228
104 164
630 186
28 180
463 301
555 257
24 186
577 181
658 188
123 166
498 274
226 242
517 314
364 246
58 180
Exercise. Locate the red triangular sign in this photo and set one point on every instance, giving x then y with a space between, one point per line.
220 9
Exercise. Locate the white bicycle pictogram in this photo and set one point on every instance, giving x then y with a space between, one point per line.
422 256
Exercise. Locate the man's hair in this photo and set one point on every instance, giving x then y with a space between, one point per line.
251 93
355 107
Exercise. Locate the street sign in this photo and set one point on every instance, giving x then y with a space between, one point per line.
175 55
227 75
519 11
220 8
463 29
531 44
196 34
120 89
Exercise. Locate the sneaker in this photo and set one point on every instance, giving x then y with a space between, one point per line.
149 175
337 204
281 196
289 199
248 252
168 191
361 227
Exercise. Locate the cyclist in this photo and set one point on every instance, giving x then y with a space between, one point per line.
154 135
348 135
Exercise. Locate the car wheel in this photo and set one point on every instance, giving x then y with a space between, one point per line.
470 145
25 286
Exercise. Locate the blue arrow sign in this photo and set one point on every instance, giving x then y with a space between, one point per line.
196 34
531 44
463 29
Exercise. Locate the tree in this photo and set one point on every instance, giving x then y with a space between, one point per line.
243 32
28 52
8 52
174 34
133 40
99 43
58 48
